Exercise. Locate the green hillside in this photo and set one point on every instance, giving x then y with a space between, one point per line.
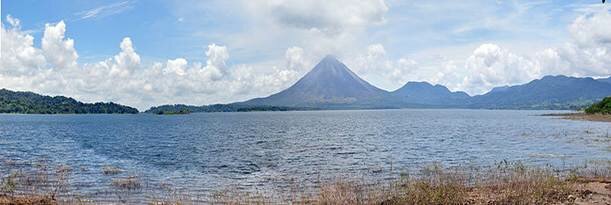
32 103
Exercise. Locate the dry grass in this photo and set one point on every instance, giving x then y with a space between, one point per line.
505 183
27 200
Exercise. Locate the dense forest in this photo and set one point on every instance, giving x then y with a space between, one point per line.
32 103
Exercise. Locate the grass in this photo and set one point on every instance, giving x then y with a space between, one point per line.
504 183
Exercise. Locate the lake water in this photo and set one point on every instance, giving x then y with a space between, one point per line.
201 152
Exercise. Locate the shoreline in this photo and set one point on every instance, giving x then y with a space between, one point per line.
581 116
503 183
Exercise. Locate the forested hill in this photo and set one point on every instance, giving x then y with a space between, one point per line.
32 103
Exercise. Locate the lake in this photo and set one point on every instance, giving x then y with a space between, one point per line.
203 152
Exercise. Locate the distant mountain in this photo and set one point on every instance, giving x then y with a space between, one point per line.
32 103
423 94
332 85
329 84
499 89
550 92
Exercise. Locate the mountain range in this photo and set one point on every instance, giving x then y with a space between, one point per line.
332 85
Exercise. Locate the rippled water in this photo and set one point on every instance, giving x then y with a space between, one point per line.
266 150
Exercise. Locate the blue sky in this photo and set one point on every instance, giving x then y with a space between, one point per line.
259 47
167 29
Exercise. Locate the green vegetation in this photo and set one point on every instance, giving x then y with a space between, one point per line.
602 107
32 103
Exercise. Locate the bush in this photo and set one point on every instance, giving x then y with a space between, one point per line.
602 107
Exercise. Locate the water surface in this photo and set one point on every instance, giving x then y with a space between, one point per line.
270 150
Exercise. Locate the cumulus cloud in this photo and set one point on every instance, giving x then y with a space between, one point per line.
217 56
126 61
19 56
375 66
16 23
176 66
590 30
585 54
59 51
53 70
490 66
588 52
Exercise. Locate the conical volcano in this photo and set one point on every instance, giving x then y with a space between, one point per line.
329 83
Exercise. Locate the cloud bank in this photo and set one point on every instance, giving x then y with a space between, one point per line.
306 31
54 69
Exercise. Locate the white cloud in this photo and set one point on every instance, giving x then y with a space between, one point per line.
296 59
376 67
331 17
592 30
123 78
59 51
490 66
217 56
53 70
16 23
126 61
176 66
105 10
18 55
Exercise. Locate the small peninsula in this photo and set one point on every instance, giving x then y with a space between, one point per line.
32 103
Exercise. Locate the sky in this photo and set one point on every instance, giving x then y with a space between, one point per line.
144 53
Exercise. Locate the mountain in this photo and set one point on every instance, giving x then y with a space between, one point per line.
423 94
32 103
330 84
549 92
499 89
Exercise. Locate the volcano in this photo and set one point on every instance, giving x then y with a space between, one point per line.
329 84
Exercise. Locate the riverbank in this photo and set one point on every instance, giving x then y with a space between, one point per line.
504 183
582 116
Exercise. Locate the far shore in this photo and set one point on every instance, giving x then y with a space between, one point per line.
582 116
